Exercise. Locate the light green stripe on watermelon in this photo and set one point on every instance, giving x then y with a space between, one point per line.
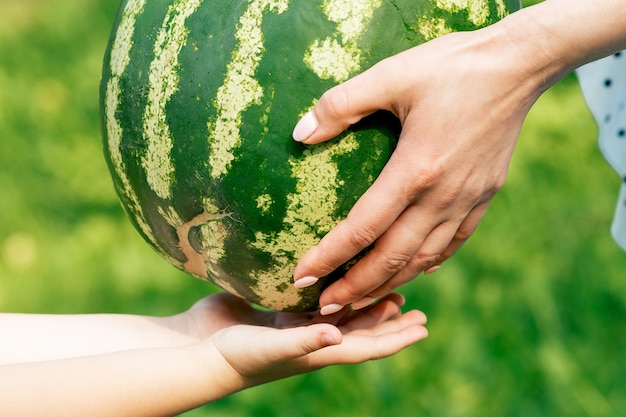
240 89
351 16
264 202
501 7
163 83
478 14
334 58
478 10
120 58
308 217
431 28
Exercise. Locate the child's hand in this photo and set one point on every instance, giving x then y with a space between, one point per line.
260 346
147 366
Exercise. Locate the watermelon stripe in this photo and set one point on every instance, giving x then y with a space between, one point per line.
119 60
501 7
308 218
351 16
478 11
163 83
337 59
431 28
240 88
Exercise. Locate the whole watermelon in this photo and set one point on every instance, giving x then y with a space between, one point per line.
198 101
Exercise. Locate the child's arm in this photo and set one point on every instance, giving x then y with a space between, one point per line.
241 347
38 337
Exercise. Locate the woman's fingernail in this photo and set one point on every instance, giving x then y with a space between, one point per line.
305 127
363 302
330 309
305 282
432 269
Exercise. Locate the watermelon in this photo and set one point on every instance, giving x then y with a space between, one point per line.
198 101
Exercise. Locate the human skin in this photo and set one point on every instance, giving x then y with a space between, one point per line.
125 365
461 100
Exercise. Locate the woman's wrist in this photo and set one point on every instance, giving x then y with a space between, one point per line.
532 48
555 37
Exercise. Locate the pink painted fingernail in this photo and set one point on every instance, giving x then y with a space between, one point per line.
330 309
432 270
305 282
305 127
363 302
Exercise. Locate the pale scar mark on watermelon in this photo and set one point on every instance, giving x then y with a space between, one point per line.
202 262
197 261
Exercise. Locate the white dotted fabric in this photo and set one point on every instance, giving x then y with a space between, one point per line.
603 84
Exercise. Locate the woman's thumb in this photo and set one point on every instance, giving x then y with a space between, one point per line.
340 107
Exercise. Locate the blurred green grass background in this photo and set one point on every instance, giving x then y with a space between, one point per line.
528 319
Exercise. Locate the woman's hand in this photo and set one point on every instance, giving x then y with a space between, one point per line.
461 99
261 346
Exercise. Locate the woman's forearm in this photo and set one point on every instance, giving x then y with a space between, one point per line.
557 36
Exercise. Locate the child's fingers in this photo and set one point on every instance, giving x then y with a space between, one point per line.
388 340
387 308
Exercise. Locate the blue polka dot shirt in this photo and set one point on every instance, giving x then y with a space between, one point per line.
603 84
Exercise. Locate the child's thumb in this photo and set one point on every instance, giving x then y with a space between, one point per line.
300 341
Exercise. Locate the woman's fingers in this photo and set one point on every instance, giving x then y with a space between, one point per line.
419 239
463 233
374 213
